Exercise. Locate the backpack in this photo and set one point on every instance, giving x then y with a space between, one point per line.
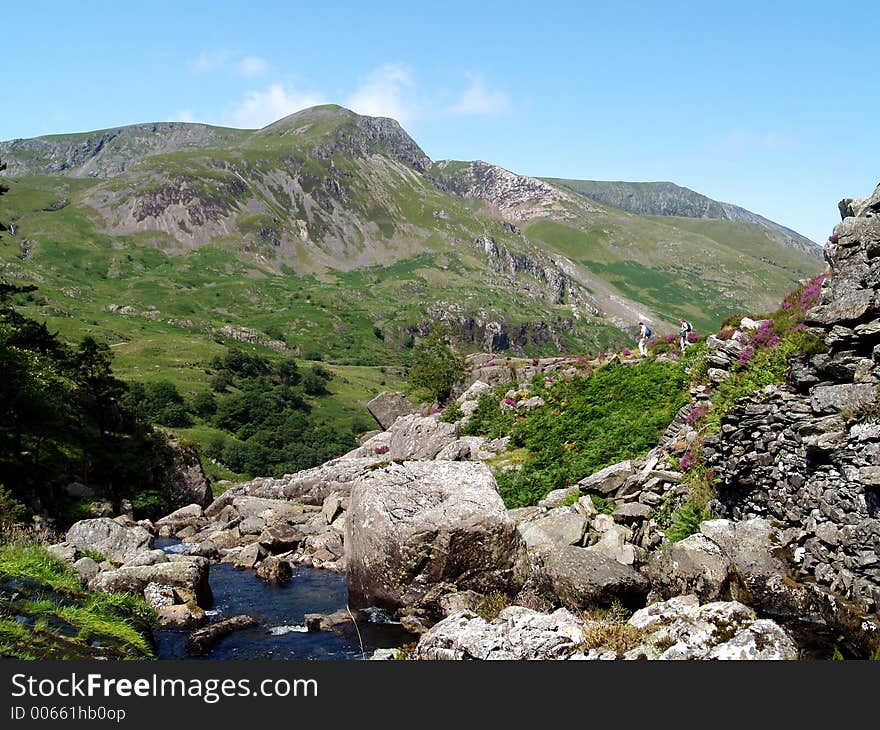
648 331
688 326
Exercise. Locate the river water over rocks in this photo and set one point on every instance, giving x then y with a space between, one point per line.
280 631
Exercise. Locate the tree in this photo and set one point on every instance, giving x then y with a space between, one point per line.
315 380
437 368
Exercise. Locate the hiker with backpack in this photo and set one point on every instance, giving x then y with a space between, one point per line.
686 327
644 333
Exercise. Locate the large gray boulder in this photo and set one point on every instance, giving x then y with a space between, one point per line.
750 547
106 536
387 407
313 486
185 479
560 527
583 578
609 479
420 437
418 526
188 573
695 565
192 515
842 397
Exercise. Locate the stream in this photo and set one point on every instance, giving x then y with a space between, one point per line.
280 632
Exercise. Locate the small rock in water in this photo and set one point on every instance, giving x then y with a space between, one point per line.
202 640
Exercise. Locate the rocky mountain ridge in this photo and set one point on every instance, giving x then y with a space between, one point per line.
669 199
326 191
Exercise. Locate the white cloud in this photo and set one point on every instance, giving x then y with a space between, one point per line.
251 66
389 91
262 107
209 61
477 99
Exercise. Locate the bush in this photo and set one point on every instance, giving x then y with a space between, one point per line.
452 413
436 368
586 423
204 405
490 419
686 521
314 382
490 605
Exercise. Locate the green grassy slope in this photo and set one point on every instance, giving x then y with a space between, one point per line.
326 235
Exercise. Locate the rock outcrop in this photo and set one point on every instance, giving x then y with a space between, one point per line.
677 629
387 407
109 538
185 479
417 530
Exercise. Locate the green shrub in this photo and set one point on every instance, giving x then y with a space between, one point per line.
405 652
490 605
12 511
437 368
686 521
490 419
452 413
614 413
93 554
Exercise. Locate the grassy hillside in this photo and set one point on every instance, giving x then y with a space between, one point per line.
331 236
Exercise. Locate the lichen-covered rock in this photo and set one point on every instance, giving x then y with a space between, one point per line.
682 629
415 526
517 633
419 437
108 537
609 479
558 528
86 569
189 573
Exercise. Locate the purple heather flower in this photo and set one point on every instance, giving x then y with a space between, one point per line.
688 460
697 414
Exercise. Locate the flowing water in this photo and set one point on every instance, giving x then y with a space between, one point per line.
280 632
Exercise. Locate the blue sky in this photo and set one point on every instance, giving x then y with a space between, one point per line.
772 107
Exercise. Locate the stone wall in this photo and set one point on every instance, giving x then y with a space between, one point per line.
807 455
